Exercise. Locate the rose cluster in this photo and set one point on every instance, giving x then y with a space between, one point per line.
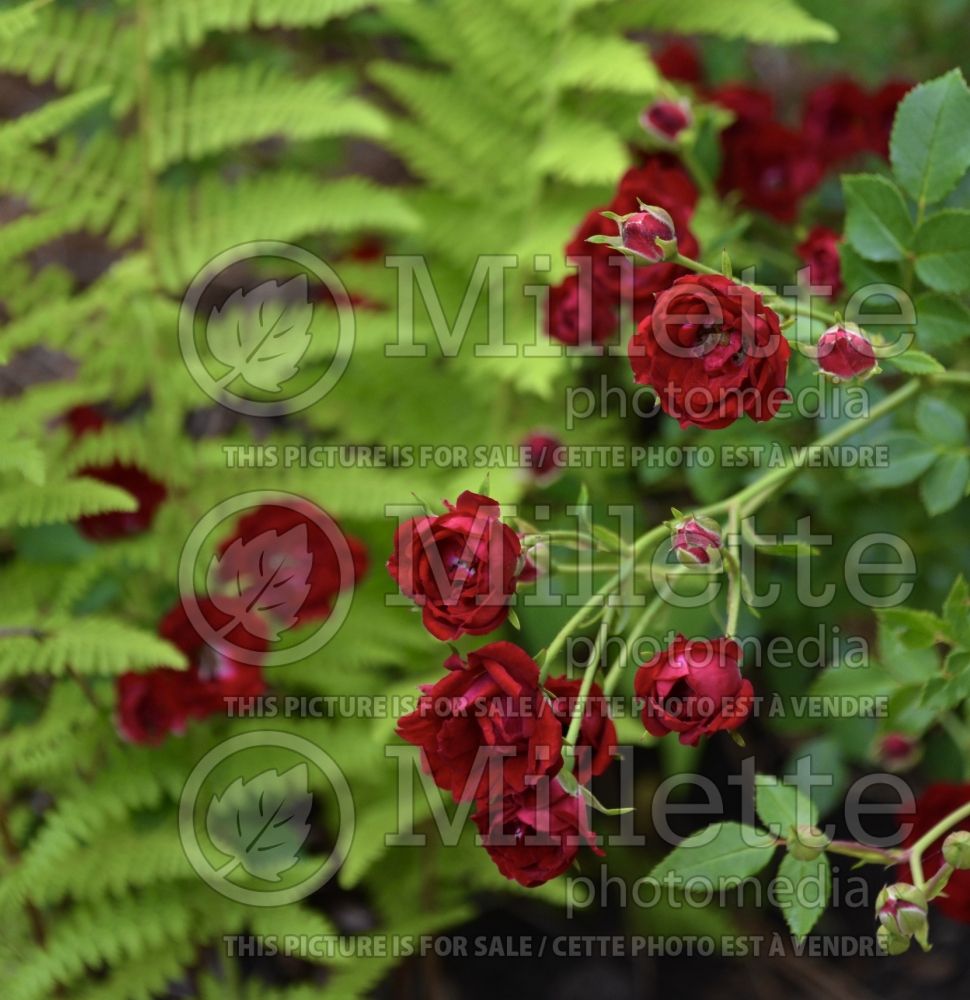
282 567
493 730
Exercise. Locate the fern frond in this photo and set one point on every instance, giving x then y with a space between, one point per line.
87 646
49 120
214 216
17 20
54 503
74 50
233 105
581 151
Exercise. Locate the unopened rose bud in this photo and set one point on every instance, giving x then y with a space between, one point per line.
665 119
897 752
806 843
845 352
956 849
892 944
648 234
695 538
544 454
901 909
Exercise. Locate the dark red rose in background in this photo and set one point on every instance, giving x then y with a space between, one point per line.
147 491
820 251
882 112
461 568
770 165
694 688
845 352
533 835
578 313
153 704
935 804
750 105
597 733
836 121
491 702
712 351
679 61
111 525
282 561
544 456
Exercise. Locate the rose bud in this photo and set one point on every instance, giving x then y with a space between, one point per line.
665 120
901 908
542 452
897 752
891 944
845 352
806 843
956 849
647 235
695 538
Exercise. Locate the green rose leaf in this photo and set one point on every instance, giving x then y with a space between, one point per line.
877 221
802 890
943 321
928 148
943 251
722 852
781 806
916 363
945 485
938 421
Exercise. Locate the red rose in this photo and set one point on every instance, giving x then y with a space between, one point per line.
533 835
820 251
749 104
597 734
845 352
678 60
491 703
935 804
712 351
147 491
578 313
694 688
461 568
836 120
882 113
154 704
770 165
282 559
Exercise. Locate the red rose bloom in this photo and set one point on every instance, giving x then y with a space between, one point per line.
770 165
749 104
597 734
282 561
679 61
935 804
578 314
694 688
154 704
491 704
712 351
461 568
820 251
147 491
882 113
533 835
836 120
